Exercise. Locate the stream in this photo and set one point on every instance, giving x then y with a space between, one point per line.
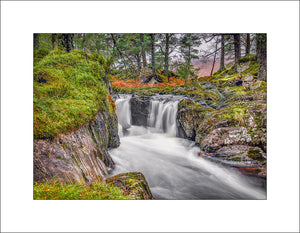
171 164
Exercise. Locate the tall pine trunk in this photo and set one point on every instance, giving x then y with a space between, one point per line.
143 50
222 60
166 68
153 56
54 41
138 61
213 66
36 43
68 42
237 49
248 44
261 43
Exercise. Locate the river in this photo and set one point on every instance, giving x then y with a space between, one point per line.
171 164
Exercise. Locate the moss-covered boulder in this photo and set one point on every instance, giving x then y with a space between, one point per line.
133 184
190 115
74 118
237 121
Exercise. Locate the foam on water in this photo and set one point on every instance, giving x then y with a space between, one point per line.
171 165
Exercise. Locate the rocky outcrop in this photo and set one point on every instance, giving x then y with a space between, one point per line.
140 109
233 133
79 155
190 116
133 184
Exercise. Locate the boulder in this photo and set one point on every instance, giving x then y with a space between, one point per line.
242 66
247 155
248 80
225 136
256 85
133 183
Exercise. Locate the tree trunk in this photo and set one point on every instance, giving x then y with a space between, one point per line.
213 66
68 42
138 61
237 49
166 68
222 60
54 41
83 41
153 56
143 50
248 44
261 43
36 43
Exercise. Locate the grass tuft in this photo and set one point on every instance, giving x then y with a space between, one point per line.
77 191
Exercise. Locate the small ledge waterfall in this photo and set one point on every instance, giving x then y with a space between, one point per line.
163 116
170 164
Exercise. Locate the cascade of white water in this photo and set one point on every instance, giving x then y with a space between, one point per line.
163 116
123 112
171 165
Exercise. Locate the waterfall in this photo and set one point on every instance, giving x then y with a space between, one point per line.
171 165
123 112
163 116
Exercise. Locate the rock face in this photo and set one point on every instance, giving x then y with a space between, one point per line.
190 116
133 183
140 110
236 132
79 155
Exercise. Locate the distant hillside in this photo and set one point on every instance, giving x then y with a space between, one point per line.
206 65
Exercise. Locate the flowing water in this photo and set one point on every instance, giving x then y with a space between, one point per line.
170 164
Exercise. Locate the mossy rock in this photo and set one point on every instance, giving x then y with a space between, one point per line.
133 184
255 154
249 57
69 90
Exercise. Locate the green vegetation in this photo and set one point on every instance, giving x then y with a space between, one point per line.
255 154
249 57
190 104
40 54
77 191
69 90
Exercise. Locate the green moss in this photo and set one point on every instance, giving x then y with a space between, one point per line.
234 155
236 159
40 54
250 57
192 105
68 92
255 154
234 114
229 71
77 191
253 69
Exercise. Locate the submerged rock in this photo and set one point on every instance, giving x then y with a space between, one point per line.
140 109
133 183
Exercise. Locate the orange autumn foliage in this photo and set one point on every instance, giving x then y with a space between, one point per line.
131 83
